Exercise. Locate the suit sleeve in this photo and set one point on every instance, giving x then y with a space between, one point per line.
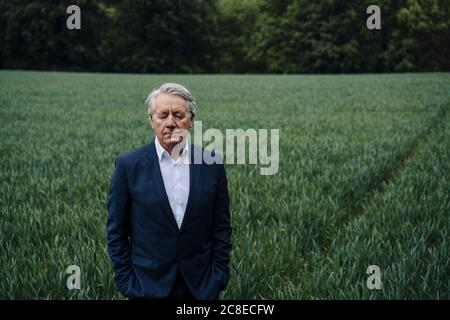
222 228
118 227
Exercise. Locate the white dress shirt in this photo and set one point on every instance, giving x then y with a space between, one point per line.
175 175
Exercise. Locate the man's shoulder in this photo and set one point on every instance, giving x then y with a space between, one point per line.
134 155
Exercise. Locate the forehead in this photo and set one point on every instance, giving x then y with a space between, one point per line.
166 101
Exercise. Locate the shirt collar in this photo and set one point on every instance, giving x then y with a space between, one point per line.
160 151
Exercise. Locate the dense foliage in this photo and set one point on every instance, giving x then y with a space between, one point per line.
226 36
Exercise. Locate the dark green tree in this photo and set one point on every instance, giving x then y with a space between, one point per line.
234 38
165 36
421 42
34 35
227 36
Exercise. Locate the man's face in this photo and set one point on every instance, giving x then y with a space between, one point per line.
169 114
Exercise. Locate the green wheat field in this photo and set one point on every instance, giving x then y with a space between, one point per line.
364 179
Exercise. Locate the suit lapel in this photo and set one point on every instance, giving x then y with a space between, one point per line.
157 179
193 183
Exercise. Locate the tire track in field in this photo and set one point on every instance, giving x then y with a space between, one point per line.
356 207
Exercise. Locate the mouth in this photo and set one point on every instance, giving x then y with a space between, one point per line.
172 136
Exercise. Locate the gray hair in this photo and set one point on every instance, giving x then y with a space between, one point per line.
174 89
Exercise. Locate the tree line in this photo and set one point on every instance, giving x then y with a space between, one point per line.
226 36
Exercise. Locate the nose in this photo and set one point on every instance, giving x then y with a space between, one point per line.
170 123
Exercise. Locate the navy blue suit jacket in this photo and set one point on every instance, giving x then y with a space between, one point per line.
144 242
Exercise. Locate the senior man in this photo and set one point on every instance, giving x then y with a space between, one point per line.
168 228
